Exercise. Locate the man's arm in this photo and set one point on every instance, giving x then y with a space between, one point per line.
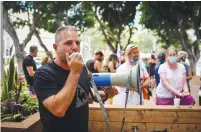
167 85
111 92
147 82
30 70
111 67
97 66
146 76
58 104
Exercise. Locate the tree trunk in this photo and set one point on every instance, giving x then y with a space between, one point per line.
192 54
2 45
109 43
196 44
130 35
48 53
19 54
19 48
196 50
185 43
118 39
112 48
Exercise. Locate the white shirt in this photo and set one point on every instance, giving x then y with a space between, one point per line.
133 97
175 78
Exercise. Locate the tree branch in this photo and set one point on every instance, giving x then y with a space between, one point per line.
103 31
183 35
29 21
32 28
119 36
103 25
130 35
196 44
42 44
9 28
196 23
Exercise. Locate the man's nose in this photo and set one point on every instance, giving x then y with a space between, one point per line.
74 46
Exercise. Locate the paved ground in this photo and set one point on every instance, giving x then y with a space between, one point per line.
195 84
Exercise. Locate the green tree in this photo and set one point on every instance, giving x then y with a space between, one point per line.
10 26
113 19
42 15
171 21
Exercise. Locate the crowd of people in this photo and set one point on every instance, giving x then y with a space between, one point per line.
169 74
62 85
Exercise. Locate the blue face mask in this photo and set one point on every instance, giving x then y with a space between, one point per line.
172 59
134 61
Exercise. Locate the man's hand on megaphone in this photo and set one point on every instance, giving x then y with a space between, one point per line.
111 92
75 62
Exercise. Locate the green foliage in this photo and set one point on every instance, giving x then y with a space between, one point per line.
113 18
117 13
10 80
16 112
171 20
55 14
80 17
15 105
29 104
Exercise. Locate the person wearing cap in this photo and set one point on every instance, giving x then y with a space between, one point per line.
132 58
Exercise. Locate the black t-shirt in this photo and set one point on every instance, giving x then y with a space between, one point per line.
28 61
49 80
90 66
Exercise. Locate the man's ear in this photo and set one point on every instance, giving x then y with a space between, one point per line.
55 47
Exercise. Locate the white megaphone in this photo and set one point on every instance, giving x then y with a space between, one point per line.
118 79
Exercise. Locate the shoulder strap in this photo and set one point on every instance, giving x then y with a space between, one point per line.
99 100
101 104
127 91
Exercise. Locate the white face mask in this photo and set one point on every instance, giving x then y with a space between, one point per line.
134 61
172 59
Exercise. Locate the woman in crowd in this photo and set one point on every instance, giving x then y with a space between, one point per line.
188 72
112 63
160 60
152 64
45 60
112 66
173 81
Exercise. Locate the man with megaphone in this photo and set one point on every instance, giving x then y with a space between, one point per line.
132 59
62 86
